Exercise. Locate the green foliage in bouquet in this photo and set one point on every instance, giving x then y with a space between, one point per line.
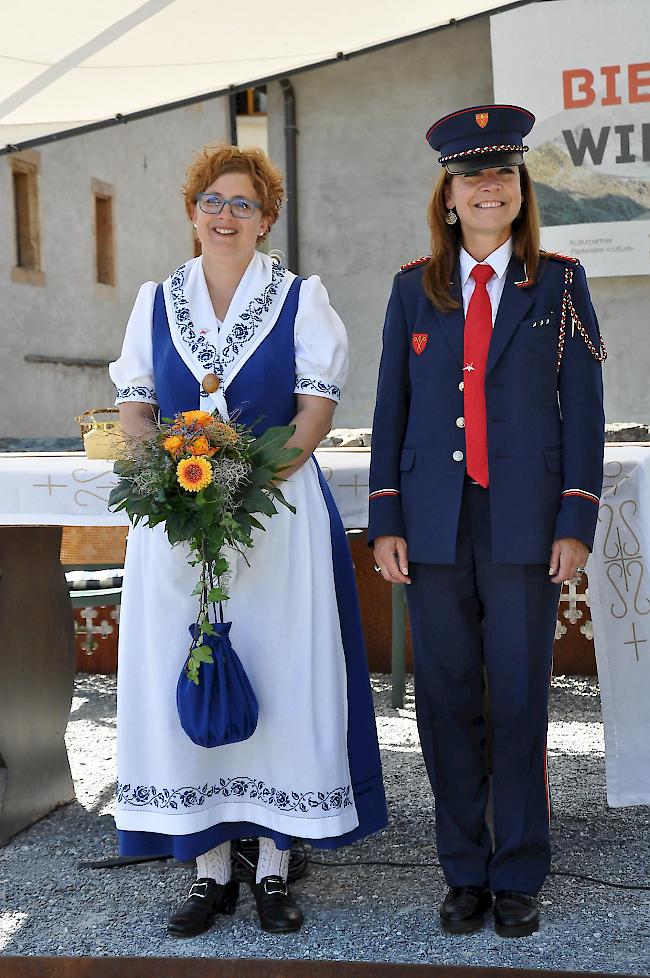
207 480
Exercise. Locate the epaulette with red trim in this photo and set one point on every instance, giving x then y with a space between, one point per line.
558 257
414 264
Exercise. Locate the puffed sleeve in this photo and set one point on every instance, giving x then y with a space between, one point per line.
132 373
321 343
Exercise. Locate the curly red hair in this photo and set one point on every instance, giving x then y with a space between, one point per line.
219 158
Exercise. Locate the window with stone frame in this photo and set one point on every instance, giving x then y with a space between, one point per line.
25 168
103 196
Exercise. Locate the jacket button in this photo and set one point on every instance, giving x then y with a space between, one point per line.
460 422
458 456
461 386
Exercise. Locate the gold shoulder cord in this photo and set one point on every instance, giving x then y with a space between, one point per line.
599 354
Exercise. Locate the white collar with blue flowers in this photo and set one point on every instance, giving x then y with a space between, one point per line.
252 313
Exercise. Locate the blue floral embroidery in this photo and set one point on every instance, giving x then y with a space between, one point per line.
242 332
327 390
249 788
136 394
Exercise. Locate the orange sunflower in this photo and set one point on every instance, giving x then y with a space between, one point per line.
194 474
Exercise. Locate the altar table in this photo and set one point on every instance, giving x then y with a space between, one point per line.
619 598
68 489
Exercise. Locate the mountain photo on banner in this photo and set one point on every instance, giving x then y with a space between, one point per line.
583 68
575 172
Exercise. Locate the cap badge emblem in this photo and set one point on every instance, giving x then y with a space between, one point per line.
419 341
482 119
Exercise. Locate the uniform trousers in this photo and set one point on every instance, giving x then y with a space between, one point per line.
471 621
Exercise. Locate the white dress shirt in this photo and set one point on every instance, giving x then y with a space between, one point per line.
499 261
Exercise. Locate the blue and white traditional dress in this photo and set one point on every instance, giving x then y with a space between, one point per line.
312 768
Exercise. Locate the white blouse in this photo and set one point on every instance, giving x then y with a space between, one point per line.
132 373
321 343
321 348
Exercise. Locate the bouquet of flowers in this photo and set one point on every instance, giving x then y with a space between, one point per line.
207 480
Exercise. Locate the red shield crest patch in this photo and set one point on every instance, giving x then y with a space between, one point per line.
419 341
482 119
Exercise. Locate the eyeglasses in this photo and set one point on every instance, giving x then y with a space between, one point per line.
240 207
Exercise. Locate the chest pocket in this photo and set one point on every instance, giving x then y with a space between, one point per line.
543 325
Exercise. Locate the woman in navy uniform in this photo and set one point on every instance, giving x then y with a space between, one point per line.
485 480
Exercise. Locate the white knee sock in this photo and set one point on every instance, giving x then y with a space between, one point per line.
214 864
272 861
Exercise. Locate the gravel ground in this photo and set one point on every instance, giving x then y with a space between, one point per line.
49 906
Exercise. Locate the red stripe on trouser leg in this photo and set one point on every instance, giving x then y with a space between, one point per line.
546 784
548 795
478 333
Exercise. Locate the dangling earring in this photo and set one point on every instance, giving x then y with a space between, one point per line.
451 216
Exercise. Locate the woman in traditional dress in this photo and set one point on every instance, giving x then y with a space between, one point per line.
311 769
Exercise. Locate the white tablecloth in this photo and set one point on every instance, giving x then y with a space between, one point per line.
619 597
73 490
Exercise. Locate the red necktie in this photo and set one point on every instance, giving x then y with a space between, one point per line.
478 333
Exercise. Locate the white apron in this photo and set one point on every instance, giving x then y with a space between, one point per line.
292 775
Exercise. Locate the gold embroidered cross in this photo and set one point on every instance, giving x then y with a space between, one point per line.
356 485
636 642
49 485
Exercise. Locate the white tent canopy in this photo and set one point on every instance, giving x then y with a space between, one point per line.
69 64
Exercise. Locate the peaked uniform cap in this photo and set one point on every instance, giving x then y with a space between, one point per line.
481 136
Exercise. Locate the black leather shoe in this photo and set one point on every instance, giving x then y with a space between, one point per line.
515 914
278 911
205 901
464 908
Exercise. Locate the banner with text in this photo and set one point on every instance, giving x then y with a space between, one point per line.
583 68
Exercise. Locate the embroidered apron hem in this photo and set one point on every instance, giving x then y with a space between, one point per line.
178 823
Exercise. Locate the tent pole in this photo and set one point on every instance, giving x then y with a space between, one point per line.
291 167
232 118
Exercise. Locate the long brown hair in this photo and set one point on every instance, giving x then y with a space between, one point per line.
446 241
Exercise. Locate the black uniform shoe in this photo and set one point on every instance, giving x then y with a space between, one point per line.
515 914
464 908
278 911
205 901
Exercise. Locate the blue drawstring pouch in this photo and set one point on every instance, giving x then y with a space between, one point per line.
222 709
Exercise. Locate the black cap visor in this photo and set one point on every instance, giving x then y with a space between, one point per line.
484 161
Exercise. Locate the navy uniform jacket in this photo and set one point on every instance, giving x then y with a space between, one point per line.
545 428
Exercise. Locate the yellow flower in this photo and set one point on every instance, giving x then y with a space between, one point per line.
201 446
194 474
199 418
173 444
